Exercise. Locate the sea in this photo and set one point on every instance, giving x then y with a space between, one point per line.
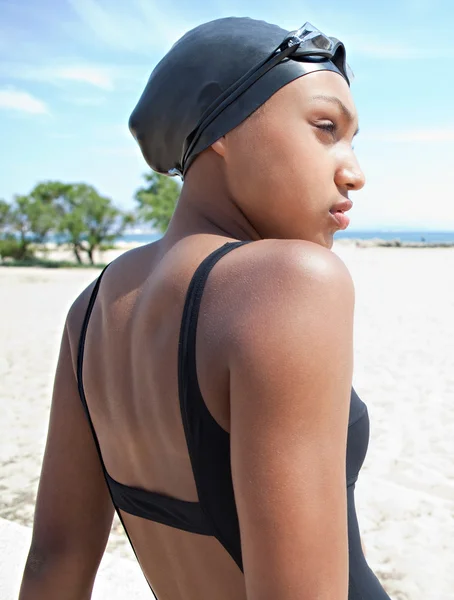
433 237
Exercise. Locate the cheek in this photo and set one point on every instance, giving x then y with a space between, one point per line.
296 162
251 166
277 163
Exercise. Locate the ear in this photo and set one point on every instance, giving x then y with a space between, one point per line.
220 146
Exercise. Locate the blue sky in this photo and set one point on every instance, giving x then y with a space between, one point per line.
71 71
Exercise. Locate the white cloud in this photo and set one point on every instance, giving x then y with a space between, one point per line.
422 7
13 99
372 46
430 135
57 135
131 151
99 76
406 186
86 100
138 26
92 75
385 51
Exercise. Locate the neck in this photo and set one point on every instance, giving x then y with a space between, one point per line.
206 207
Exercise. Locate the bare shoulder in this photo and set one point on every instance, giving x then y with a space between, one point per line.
75 319
296 253
286 262
267 280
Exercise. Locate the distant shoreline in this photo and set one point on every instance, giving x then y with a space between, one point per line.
396 243
360 242
53 255
375 237
125 244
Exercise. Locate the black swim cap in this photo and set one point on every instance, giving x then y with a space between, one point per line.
215 77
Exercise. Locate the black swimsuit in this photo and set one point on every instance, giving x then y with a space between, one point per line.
209 450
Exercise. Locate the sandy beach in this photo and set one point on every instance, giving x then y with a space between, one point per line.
404 371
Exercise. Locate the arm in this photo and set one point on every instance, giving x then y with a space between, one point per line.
291 373
73 511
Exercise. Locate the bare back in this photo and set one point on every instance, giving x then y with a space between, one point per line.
131 386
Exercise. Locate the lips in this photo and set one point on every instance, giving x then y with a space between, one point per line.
341 219
338 213
343 206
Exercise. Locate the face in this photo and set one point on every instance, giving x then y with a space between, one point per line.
291 165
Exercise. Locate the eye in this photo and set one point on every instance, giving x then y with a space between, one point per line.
328 127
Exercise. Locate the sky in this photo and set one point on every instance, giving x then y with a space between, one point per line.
71 71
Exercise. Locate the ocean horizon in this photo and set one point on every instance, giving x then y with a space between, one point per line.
433 237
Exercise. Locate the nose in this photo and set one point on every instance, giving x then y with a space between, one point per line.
349 175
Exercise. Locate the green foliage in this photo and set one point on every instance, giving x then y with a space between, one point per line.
83 219
50 192
34 262
89 221
11 247
157 200
79 216
15 218
5 216
51 264
33 219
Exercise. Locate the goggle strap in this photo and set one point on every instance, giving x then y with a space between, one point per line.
233 92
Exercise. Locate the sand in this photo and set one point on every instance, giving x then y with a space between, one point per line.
404 371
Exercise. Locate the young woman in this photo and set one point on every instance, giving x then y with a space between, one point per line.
204 382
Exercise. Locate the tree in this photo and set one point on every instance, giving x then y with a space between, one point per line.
9 245
32 217
84 219
158 199
50 196
89 220
50 192
29 218
22 215
5 216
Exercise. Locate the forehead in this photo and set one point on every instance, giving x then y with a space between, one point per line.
313 90
307 93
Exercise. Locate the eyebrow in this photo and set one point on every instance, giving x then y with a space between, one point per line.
335 100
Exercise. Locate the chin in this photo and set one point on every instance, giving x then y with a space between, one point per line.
325 239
